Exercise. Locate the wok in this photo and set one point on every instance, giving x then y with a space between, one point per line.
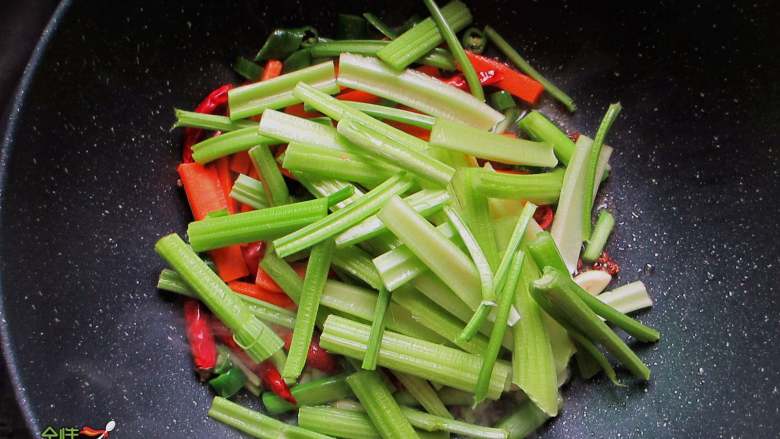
88 185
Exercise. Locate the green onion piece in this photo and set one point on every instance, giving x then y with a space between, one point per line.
251 334
430 422
380 25
389 113
546 254
350 26
252 99
308 305
272 179
416 90
505 302
474 40
456 49
421 358
536 188
592 166
424 37
443 257
380 406
542 129
342 219
358 264
297 60
597 241
255 423
627 298
523 65
338 165
227 144
247 69
377 329
249 191
557 292
502 101
423 393
438 58
462 138
524 420
475 251
282 42
315 392
213 122
256 225
228 383
426 202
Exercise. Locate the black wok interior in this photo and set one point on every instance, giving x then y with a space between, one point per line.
88 185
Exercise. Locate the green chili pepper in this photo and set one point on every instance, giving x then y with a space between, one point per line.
351 27
502 101
390 32
474 40
228 383
283 42
297 60
223 361
247 68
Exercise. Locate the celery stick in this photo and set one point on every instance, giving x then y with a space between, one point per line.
437 57
358 264
192 119
434 289
627 298
423 393
416 90
475 209
430 422
416 357
272 179
377 329
463 138
324 187
249 191
540 128
477 256
426 202
380 406
592 167
253 99
255 423
395 114
333 164
597 241
536 188
523 421
227 144
347 423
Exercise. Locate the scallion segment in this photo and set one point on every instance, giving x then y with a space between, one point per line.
592 168
377 329
255 423
380 406
598 239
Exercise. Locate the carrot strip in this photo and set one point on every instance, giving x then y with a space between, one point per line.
297 110
420 133
226 181
430 71
240 163
273 68
230 262
264 281
254 291
358 96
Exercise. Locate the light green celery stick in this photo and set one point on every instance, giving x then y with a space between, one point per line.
334 164
342 219
426 202
604 226
250 333
255 423
227 144
424 36
423 393
437 57
387 149
627 298
315 392
357 264
476 212
592 166
380 406
253 99
192 119
424 359
308 305
524 420
416 90
349 422
540 128
463 138
320 188
377 329
537 188
430 422
443 257
475 251
249 191
272 179
395 114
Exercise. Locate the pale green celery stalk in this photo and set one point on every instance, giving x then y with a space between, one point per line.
540 128
592 357
430 422
424 394
357 263
342 219
598 239
627 298
395 114
476 211
387 149
524 420
426 202
438 253
523 65
537 188
171 281
424 37
256 225
455 136
475 251
272 178
433 317
338 165
253 99
249 191
533 363
321 188
255 423
591 168
308 305
350 422
448 395
424 359
506 300
377 329
437 57
415 90
192 119
510 117
380 406
227 144
283 274
315 392
337 110
250 333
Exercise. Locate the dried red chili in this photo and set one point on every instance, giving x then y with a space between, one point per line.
574 136
200 337
544 216
209 105
606 263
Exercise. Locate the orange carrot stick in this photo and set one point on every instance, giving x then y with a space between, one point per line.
254 291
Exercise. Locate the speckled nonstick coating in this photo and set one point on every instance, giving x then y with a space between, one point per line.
89 185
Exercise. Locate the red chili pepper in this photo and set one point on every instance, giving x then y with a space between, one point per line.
317 357
574 136
512 81
358 96
209 105
429 70
253 253
544 216
486 77
286 172
256 292
298 110
93 432
606 263
267 283
200 337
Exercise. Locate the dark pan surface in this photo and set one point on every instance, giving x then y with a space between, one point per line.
89 185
